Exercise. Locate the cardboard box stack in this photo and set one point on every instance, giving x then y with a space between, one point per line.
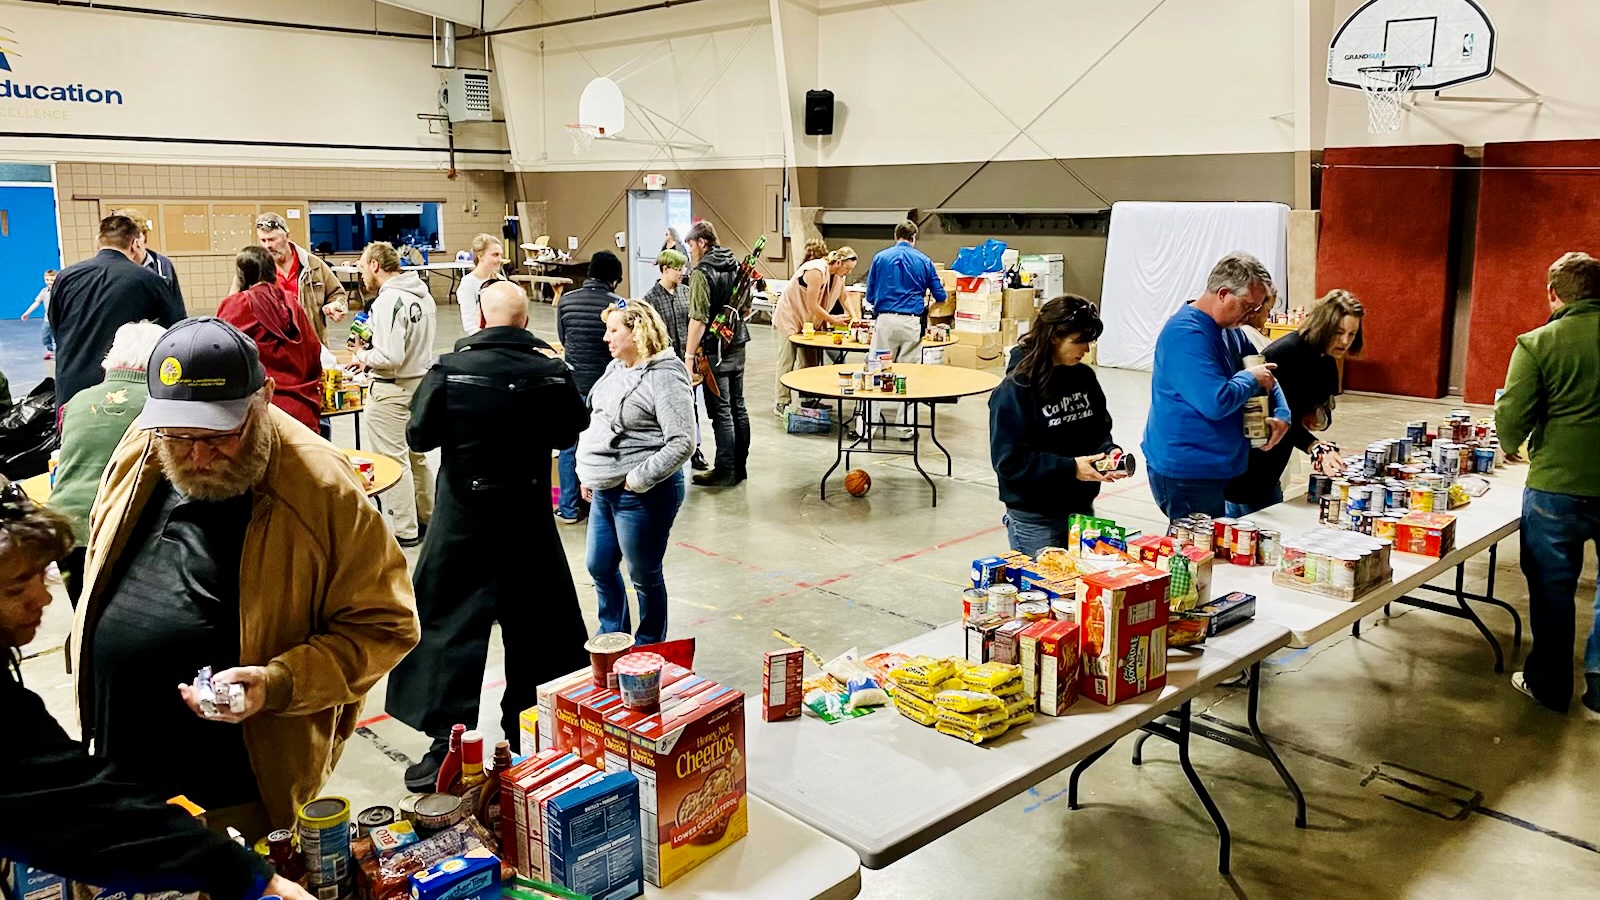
1124 615
980 301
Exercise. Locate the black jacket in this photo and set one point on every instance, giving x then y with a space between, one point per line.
89 302
1034 444
496 408
64 811
1310 378
583 333
162 266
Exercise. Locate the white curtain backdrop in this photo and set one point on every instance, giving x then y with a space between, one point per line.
1157 259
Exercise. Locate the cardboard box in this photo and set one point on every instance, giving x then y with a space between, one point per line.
592 711
1028 657
980 636
988 572
782 671
987 325
1427 534
1226 612
568 720
508 793
1006 646
690 762
547 708
1060 665
943 309
524 813
538 815
964 357
1124 615
25 882
474 875
618 724
594 837
977 340
1020 303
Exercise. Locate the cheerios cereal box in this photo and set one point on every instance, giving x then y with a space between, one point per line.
690 762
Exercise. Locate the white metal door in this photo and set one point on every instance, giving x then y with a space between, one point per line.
647 224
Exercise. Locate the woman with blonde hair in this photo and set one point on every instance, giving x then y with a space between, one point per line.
1307 361
630 461
488 255
816 248
801 302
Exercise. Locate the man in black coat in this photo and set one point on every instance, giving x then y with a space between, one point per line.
583 339
150 259
497 407
93 298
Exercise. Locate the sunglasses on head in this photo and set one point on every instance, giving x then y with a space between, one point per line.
14 502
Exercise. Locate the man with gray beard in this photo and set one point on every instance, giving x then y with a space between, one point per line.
228 535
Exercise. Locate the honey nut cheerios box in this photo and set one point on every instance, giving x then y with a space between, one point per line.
690 762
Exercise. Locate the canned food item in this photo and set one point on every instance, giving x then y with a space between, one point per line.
1421 499
604 651
1321 486
1182 532
1221 536
1386 527
899 384
324 829
1003 600
408 807
1332 511
1244 544
1292 561
436 812
1341 489
1202 531
1343 567
1033 612
1316 567
375 817
1418 433
1063 611
1360 497
1483 459
1269 547
974 603
1441 500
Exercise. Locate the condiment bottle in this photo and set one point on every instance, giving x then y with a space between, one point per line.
487 805
471 759
450 769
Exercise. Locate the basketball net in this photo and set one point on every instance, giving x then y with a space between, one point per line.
1386 88
583 137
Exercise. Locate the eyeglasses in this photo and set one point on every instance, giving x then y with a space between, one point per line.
209 439
272 223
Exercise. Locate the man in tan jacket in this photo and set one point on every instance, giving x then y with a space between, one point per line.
227 535
303 276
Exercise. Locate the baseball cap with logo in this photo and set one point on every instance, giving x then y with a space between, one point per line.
202 374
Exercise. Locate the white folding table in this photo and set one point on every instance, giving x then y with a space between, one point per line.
886 786
782 858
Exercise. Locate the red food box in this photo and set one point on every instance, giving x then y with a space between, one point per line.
525 788
568 726
619 722
1059 665
1124 615
782 672
1028 656
594 708
1427 534
1153 549
508 791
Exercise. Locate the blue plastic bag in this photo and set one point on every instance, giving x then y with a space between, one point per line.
972 261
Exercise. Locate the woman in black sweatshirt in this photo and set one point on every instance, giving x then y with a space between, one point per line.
1308 371
1048 425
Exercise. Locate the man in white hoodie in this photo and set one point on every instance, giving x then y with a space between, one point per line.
402 320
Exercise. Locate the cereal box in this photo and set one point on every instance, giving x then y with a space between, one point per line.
1428 534
594 839
546 718
1059 666
691 768
524 813
619 723
592 711
539 815
568 720
1005 648
1124 614
980 636
26 882
1028 657
508 791
987 572
782 671
1153 550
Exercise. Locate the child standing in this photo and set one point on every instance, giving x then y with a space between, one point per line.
43 299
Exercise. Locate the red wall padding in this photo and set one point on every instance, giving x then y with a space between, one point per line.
1526 220
1386 238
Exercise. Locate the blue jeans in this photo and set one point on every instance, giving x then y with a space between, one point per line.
1028 531
1555 530
570 505
635 527
731 422
1240 510
1179 497
49 337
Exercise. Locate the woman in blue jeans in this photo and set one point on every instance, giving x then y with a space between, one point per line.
1048 426
630 461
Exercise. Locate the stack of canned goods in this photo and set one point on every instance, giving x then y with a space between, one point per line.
1240 542
1338 559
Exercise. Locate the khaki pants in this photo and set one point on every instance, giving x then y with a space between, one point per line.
902 335
791 356
410 504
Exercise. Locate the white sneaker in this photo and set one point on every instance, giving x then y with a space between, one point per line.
1520 684
906 434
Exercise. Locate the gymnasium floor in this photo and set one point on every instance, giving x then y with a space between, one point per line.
1427 775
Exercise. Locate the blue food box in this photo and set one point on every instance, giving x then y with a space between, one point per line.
1228 611
474 875
24 882
987 572
596 847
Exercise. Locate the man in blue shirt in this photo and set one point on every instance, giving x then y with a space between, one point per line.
897 287
1194 439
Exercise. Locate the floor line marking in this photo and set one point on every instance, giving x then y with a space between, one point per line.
384 717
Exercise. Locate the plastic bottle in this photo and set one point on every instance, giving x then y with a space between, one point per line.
450 769
471 759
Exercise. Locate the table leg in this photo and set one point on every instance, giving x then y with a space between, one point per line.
1461 598
838 455
1138 747
1355 629
916 442
933 433
1490 598
356 418
1224 839
1077 770
1272 755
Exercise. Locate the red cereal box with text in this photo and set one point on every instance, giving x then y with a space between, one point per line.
1124 615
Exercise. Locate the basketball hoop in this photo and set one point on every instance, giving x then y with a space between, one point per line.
1386 88
583 137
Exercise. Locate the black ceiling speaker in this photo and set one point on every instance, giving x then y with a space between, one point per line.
819 112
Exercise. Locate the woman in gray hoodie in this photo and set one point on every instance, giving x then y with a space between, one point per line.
630 461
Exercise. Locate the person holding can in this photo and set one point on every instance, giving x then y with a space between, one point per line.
1049 426
1552 401
1194 438
1307 362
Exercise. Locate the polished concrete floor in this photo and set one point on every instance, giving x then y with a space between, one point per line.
1427 775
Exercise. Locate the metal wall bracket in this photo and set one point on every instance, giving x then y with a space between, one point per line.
1529 95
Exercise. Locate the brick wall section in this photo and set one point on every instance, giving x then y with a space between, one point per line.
206 277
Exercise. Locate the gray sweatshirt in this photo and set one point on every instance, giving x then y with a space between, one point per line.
641 426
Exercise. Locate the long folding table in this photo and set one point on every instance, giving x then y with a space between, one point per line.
885 786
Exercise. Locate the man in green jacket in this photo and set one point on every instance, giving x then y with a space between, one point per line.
92 424
1552 400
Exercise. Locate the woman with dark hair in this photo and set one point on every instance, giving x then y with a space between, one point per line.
1307 361
1048 426
66 812
290 351
674 242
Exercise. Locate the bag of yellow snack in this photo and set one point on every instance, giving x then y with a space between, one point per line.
921 713
975 721
990 675
1019 719
923 670
953 684
968 701
1009 690
1018 705
925 694
976 737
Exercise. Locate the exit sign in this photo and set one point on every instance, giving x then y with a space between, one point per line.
655 182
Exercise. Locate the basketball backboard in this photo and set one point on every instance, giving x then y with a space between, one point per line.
1452 42
601 106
